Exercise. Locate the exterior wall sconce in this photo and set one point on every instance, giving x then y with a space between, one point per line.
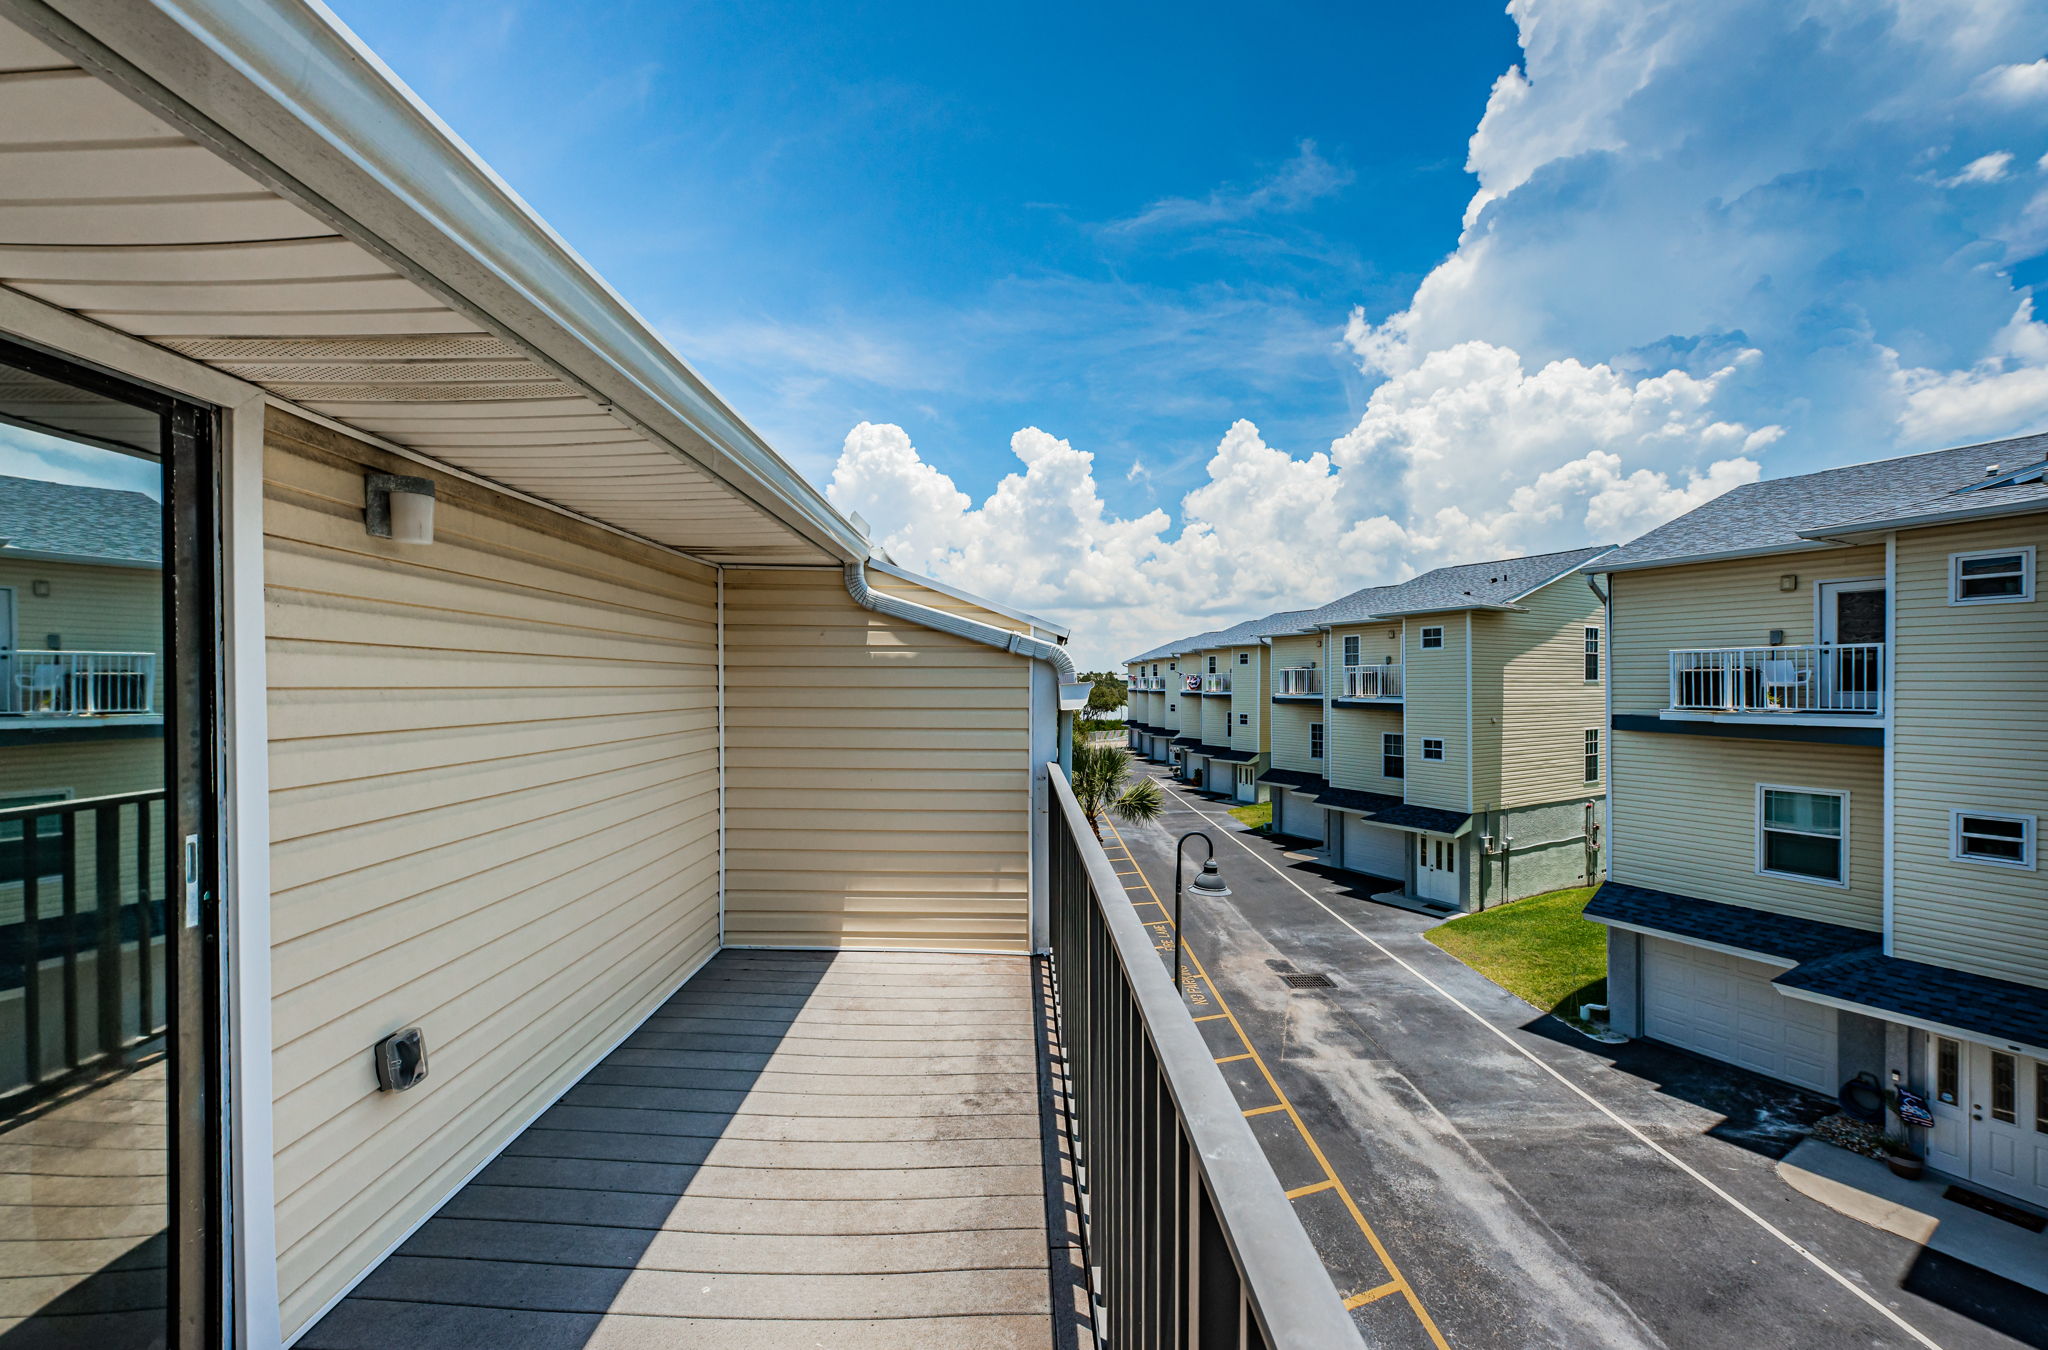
1789 582
398 508
39 588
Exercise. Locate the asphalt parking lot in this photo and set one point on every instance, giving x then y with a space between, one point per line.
1475 1174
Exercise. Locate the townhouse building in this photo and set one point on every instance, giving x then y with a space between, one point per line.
1829 762
1445 735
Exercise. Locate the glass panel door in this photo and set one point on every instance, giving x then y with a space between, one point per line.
104 989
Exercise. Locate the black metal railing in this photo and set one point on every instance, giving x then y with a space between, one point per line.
81 916
1192 1243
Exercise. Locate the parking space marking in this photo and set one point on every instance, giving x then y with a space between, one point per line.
1190 984
1811 1257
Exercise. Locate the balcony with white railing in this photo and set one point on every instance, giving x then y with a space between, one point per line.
1146 684
1372 682
1297 682
1817 678
1216 684
77 684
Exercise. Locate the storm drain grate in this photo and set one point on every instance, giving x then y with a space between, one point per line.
1314 980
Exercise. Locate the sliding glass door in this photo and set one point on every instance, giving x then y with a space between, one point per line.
109 982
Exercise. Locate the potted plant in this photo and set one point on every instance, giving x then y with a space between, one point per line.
1899 1156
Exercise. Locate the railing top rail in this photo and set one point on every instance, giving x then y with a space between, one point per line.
71 651
71 805
1290 1291
1782 647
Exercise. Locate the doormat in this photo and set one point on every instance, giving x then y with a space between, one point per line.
1996 1208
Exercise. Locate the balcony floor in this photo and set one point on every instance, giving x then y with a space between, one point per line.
797 1149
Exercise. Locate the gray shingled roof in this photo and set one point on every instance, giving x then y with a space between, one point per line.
1779 513
1962 503
89 522
1464 586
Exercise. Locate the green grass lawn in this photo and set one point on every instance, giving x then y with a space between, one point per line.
1539 949
1257 815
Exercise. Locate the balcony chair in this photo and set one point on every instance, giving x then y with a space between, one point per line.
43 685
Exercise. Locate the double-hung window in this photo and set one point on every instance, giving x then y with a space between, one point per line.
1212 665
1432 638
1991 578
1351 649
1315 740
1432 748
1803 833
1393 755
1988 837
1592 755
1592 654
1244 658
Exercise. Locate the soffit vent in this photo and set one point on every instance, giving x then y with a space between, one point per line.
418 347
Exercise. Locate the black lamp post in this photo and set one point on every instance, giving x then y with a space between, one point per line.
1208 881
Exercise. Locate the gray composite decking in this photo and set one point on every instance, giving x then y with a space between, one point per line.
798 1149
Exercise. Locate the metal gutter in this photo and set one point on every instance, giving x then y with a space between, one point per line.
1073 693
994 606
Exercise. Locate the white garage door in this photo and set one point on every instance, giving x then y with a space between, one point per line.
1374 848
1222 777
1725 1008
1298 816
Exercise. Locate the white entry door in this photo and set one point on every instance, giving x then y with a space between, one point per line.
1247 783
1990 1118
1436 868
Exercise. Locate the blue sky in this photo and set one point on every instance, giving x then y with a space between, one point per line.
1127 225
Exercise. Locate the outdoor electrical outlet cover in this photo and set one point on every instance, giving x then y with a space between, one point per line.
401 1060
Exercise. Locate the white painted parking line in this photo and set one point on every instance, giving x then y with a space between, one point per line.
1811 1257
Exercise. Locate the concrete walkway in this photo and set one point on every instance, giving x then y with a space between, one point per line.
797 1149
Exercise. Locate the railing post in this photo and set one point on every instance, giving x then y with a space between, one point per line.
106 843
31 953
69 882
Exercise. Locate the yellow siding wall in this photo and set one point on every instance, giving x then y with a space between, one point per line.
939 600
1970 728
1534 670
1434 705
494 775
878 775
1685 821
1354 748
1291 720
1726 604
1377 642
1248 699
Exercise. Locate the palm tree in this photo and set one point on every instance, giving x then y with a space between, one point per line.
1100 772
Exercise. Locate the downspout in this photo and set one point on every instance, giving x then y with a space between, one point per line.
1038 649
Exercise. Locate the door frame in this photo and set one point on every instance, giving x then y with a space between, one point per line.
1824 610
246 1306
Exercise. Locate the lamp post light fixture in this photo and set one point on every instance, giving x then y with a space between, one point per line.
1208 881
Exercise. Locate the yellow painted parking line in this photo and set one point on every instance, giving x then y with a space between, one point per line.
1232 1059
1324 1185
1372 1295
1212 1017
1301 1128
1265 1110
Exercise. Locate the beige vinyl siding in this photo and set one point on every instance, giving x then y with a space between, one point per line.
1724 604
1377 642
1970 730
88 609
1433 705
878 775
1248 684
1353 736
1532 666
931 598
494 814
1289 737
1216 707
1685 821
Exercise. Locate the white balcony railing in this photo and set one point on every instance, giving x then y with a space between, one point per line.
1815 678
1299 680
1216 684
1146 684
1382 681
77 684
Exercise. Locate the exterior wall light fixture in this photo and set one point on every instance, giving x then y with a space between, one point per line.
398 508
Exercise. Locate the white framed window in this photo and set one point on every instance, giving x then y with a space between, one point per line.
1991 837
1803 834
1172 667
1991 577
1432 637
1315 740
1244 658
1592 654
1592 755
1351 649
1244 719
1393 755
1432 747
1212 665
